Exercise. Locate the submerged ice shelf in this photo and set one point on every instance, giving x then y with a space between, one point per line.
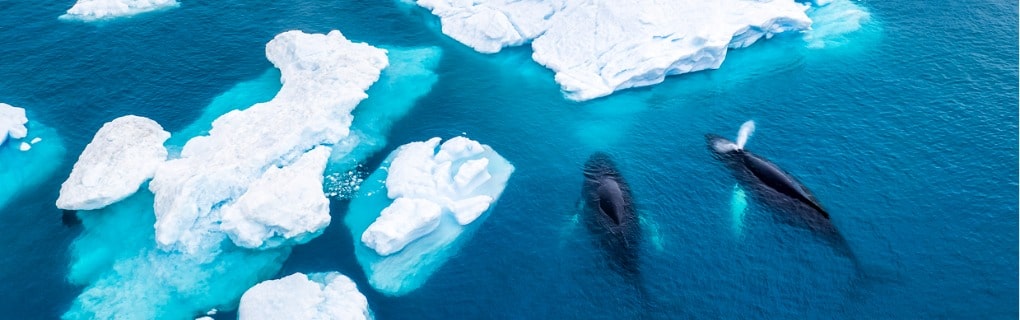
317 296
270 201
419 207
208 203
29 152
598 48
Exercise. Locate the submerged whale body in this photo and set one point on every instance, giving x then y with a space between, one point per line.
757 171
777 188
609 211
767 173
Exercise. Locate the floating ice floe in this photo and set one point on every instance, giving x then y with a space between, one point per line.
425 200
324 77
317 296
94 10
123 154
202 233
597 48
12 122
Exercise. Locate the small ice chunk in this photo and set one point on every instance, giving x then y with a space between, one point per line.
123 154
284 206
471 175
36 140
93 10
12 123
317 296
458 148
467 210
25 146
402 222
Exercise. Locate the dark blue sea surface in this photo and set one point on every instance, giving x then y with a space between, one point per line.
905 130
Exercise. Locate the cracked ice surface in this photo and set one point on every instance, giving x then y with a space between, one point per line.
423 203
324 77
597 48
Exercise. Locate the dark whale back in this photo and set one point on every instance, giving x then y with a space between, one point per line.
611 201
610 216
777 179
606 191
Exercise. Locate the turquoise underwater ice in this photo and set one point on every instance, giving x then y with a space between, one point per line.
900 117
116 257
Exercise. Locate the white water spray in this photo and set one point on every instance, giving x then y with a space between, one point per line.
746 130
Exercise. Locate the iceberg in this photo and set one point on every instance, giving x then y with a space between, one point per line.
317 296
95 10
420 206
598 48
324 77
12 122
286 206
201 232
123 154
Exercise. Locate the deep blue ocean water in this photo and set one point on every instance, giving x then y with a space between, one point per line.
907 133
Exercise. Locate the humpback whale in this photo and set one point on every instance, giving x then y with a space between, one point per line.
609 211
761 174
776 188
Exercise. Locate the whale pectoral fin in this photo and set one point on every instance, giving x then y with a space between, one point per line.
653 232
738 209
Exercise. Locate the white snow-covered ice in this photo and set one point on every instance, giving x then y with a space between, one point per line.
207 230
425 200
123 154
95 10
317 296
597 48
12 122
400 223
284 206
324 77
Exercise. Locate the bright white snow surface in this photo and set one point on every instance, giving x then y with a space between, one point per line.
123 154
324 77
425 200
598 47
318 296
94 10
12 122
284 206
